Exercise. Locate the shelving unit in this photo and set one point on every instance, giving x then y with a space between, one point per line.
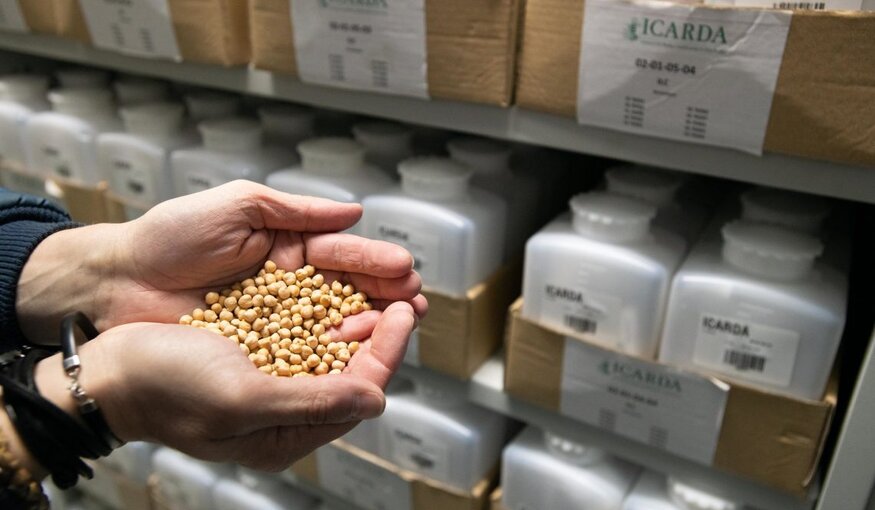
848 478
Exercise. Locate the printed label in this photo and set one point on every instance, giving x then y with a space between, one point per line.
138 27
355 479
134 180
582 312
372 45
745 350
642 400
424 247
420 453
11 17
823 5
683 72
57 163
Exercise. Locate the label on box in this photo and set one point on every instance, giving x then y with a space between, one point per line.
138 27
355 479
820 5
746 350
11 17
372 45
682 72
424 247
581 311
643 400
420 453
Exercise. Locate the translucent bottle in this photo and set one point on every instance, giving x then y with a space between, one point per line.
133 460
366 435
688 497
136 90
62 143
386 144
490 162
795 211
138 160
205 105
231 149
21 97
257 491
82 78
650 493
286 124
758 310
441 435
454 231
185 482
543 471
603 273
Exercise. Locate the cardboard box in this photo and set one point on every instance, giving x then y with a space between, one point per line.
89 204
395 484
773 439
459 334
495 500
824 99
115 489
470 46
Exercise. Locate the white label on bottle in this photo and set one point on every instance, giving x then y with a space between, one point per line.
411 357
643 400
134 180
581 311
58 162
372 45
683 72
820 5
11 17
355 479
420 453
138 27
424 247
745 350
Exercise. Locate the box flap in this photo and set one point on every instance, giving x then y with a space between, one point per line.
534 361
212 31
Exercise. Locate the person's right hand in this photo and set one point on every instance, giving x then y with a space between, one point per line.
197 392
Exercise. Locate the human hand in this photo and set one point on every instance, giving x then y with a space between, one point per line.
197 392
158 267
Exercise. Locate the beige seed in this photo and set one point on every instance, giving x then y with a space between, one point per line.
216 307
295 359
318 330
270 301
297 332
186 320
285 343
309 323
336 288
306 312
267 369
305 293
273 327
226 315
197 314
353 347
325 339
325 300
333 348
338 365
198 323
244 349
328 358
345 309
270 266
343 355
306 283
313 361
318 280
321 368
355 308
309 270
260 360
335 372
336 319
236 293
312 342
251 290
245 302
269 279
319 312
326 323
306 351
284 371
284 293
320 351
348 290
262 290
283 354
295 369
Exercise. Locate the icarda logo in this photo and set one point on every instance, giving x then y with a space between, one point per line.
640 375
666 31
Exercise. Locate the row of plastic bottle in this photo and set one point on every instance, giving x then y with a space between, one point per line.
759 296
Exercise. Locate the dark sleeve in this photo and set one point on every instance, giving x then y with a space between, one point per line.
24 221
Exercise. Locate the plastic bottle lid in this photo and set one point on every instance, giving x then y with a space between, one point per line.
384 137
331 155
82 78
768 250
691 498
211 105
23 86
785 208
480 154
571 450
231 134
154 120
612 218
131 91
287 120
83 101
437 396
434 178
652 185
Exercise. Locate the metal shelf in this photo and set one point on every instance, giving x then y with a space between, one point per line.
486 389
513 124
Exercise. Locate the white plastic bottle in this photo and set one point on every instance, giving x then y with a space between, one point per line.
386 144
454 231
650 493
602 272
232 149
132 90
137 161
185 482
544 471
441 435
688 497
62 143
286 124
660 188
21 96
758 310
204 105
490 162
133 460
258 491
366 435
82 78
805 213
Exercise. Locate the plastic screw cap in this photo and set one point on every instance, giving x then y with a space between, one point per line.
211 105
15 86
611 217
434 178
690 498
82 78
383 136
481 154
231 134
652 185
153 118
331 155
785 208
97 101
769 250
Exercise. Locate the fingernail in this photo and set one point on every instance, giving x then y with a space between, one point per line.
370 405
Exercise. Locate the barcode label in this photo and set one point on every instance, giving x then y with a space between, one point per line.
812 6
580 324
744 361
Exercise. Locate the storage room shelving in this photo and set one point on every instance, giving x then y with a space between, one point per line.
847 480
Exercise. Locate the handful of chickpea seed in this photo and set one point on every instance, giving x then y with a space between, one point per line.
280 319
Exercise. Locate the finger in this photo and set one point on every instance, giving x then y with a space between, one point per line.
356 327
394 289
287 251
268 208
353 254
387 345
419 304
